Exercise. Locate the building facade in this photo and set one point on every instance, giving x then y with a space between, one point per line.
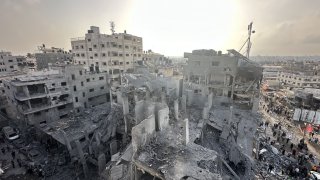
154 58
302 80
208 68
9 63
47 56
44 97
113 53
231 75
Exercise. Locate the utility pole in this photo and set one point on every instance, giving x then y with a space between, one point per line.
112 26
250 31
248 41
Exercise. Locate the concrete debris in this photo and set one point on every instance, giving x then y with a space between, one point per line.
202 125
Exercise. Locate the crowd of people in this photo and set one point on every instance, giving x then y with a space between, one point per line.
302 161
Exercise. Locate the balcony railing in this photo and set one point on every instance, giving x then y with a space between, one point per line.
78 38
40 107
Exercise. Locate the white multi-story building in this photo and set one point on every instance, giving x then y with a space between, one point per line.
299 80
113 53
9 63
46 96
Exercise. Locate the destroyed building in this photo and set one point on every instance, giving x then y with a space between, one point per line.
232 75
46 96
178 133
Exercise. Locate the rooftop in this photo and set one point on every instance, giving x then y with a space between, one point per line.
76 126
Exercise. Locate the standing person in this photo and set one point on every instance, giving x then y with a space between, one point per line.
291 146
294 151
13 154
12 163
270 168
287 140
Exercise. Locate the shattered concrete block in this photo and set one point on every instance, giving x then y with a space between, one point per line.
184 103
186 131
82 159
119 97
179 87
66 139
138 109
205 112
142 132
98 138
116 172
136 99
163 97
149 109
113 147
189 97
231 115
176 109
147 95
125 105
163 118
255 105
234 154
101 162
126 124
210 99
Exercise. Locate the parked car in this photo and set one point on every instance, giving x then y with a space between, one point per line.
10 133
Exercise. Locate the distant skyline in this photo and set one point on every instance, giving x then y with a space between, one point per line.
169 27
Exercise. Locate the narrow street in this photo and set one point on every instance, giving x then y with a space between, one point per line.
289 127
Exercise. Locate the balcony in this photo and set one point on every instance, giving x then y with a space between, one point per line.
40 107
24 97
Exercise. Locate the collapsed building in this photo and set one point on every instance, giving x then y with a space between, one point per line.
178 132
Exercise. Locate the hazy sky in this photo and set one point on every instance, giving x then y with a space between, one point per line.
170 27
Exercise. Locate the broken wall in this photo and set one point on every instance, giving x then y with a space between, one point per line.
199 99
143 132
162 116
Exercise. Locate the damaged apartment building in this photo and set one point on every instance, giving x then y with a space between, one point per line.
114 53
42 97
232 75
10 63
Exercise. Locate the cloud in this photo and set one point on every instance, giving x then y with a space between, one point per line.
312 39
32 1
